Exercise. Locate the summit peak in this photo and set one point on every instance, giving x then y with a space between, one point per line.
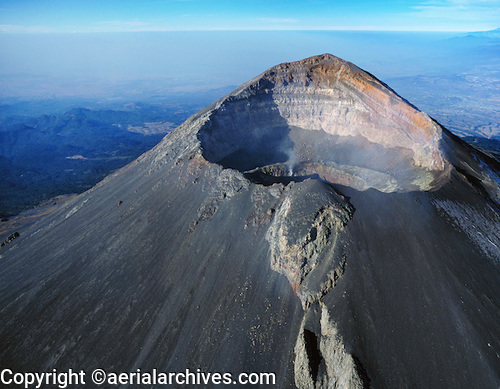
325 116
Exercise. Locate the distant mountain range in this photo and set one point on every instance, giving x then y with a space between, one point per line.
41 157
484 34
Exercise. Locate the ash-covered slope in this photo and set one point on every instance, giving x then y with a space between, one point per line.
312 224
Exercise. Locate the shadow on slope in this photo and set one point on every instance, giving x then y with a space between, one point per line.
252 136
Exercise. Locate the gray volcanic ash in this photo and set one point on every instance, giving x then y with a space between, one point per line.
312 223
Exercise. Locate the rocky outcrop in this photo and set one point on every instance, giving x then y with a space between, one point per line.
309 220
321 360
307 241
223 184
10 238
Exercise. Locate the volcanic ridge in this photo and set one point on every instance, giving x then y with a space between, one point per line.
312 223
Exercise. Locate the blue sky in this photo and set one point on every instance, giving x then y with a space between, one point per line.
166 15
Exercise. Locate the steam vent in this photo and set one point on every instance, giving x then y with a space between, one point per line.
312 223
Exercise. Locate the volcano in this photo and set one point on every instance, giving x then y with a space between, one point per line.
312 223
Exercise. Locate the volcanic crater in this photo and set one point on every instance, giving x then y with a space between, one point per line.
327 119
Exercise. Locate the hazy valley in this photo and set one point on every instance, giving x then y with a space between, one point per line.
53 154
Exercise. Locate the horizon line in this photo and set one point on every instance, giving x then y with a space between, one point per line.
243 30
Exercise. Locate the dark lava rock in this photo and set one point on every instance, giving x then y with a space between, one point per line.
10 238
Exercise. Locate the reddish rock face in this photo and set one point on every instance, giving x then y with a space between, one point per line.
326 116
